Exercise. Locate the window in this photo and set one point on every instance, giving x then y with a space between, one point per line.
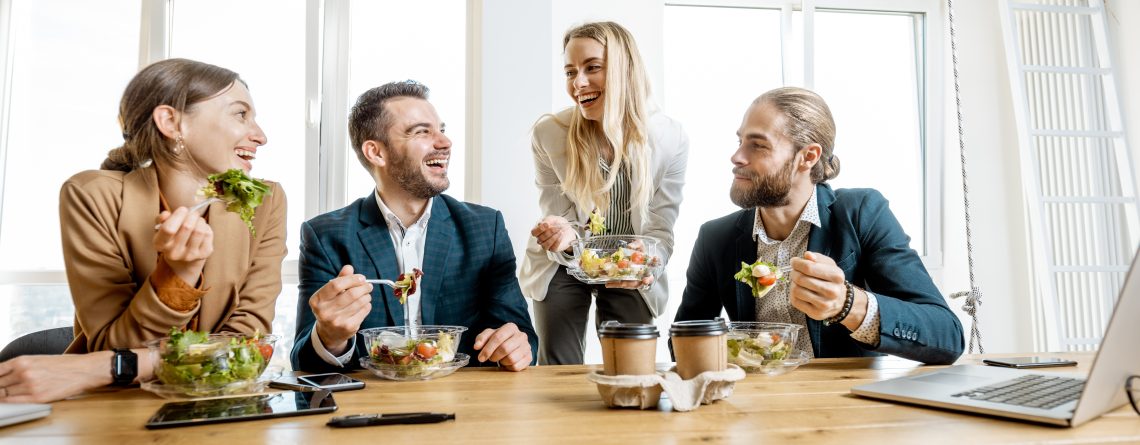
57 126
873 67
387 46
51 127
266 51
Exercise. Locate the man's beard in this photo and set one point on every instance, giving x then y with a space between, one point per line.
766 191
410 177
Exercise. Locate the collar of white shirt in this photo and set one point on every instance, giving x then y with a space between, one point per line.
810 214
394 220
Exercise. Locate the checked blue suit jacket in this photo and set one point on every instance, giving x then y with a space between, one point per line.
469 273
861 234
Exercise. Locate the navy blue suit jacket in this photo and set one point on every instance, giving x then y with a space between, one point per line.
861 234
469 273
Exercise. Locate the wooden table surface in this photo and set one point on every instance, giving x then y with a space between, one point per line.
554 404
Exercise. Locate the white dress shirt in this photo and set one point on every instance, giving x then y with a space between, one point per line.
408 242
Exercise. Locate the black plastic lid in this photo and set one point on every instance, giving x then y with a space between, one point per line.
698 328
613 329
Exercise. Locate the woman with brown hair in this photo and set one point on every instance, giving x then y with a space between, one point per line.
132 280
610 153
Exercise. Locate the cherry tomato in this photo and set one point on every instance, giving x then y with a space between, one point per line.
425 351
623 264
767 280
266 351
637 258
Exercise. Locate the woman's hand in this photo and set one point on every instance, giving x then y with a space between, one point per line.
554 233
185 241
47 378
643 284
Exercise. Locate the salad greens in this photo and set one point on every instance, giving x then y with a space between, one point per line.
746 350
597 223
760 276
241 193
193 358
623 263
406 285
418 356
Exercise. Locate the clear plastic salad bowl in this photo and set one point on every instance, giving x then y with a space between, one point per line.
766 348
192 364
419 353
601 259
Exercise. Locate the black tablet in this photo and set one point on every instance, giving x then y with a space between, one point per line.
236 409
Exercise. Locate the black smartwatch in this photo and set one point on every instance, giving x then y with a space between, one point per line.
124 367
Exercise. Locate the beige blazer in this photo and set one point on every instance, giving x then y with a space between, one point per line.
670 153
107 227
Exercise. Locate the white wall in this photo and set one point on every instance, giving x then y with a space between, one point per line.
1124 31
997 208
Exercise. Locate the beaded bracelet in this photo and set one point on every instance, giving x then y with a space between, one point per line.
850 301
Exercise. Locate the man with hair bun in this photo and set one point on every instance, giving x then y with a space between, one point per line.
855 284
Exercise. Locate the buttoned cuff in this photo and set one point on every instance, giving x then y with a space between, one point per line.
173 291
868 332
327 356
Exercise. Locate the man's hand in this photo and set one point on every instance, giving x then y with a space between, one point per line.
340 306
47 378
818 290
508 346
554 233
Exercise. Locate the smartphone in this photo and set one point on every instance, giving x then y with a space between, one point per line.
234 409
331 381
1028 362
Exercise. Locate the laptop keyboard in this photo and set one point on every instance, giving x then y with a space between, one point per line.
1034 391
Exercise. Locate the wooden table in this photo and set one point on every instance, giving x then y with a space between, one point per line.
556 404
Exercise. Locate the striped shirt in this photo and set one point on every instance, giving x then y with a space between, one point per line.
618 219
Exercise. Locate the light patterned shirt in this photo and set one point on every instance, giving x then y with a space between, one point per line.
776 306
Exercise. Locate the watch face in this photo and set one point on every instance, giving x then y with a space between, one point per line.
124 367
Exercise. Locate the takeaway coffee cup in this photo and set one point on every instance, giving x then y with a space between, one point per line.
699 346
628 348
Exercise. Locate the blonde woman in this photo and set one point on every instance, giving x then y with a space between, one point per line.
611 153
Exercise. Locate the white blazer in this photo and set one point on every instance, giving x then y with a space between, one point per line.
669 148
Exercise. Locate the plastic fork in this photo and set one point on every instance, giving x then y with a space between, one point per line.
195 208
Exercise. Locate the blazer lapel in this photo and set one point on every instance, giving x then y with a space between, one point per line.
231 253
818 238
440 235
746 253
377 244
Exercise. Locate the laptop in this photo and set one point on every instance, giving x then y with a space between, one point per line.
11 413
1052 398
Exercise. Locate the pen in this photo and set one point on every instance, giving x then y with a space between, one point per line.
389 419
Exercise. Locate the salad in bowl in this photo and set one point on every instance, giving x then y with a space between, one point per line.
601 259
198 364
413 353
766 348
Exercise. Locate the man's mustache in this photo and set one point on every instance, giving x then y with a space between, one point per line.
740 171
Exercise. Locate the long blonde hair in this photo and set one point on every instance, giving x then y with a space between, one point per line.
624 124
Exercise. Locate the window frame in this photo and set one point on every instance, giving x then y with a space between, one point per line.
929 34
